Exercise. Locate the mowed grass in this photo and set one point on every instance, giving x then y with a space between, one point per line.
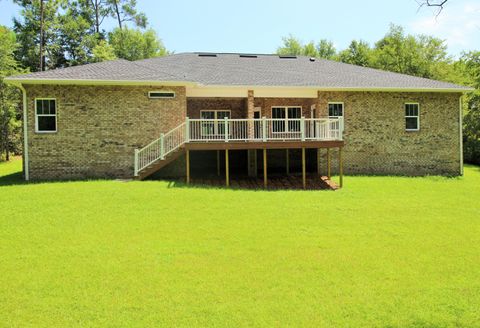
382 252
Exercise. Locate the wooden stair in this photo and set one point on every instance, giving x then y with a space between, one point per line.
160 163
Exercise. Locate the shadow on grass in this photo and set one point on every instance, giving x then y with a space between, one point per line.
180 184
12 179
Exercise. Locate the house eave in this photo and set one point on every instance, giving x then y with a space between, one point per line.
356 89
25 81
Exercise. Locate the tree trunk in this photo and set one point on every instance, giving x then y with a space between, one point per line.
117 11
41 36
97 20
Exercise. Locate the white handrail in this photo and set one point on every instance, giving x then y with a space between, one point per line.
160 147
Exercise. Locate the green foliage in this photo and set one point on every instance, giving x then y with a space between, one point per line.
358 53
77 36
326 49
422 55
27 29
291 46
134 44
10 124
74 34
382 252
471 121
126 11
103 51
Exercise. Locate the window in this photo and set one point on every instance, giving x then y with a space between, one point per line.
335 109
282 115
45 115
412 118
217 125
161 94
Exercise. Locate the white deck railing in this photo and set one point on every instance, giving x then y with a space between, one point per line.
238 130
265 129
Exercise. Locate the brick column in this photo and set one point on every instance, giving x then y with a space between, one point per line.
250 104
318 104
250 109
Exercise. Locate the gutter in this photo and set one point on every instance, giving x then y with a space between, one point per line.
17 82
25 133
460 130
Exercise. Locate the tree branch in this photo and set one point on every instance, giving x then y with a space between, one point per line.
432 3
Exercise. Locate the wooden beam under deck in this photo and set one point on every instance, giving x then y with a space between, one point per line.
262 145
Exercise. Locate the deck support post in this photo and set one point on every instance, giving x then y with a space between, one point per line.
265 167
187 165
218 162
227 173
304 170
340 159
319 173
287 160
329 164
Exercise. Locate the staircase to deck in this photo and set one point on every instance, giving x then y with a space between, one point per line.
160 152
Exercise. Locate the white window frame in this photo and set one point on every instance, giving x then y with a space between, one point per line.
411 116
335 103
216 120
161 91
44 115
287 129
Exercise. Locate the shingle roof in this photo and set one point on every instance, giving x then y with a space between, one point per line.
243 70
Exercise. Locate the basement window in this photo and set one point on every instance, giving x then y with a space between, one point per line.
161 94
45 115
412 117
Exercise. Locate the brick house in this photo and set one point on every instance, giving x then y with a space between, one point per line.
240 113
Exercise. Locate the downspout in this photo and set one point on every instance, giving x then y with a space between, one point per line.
25 133
460 129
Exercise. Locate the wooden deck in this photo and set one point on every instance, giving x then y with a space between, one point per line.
239 145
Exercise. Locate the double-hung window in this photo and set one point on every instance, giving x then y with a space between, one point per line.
412 117
282 115
215 124
45 115
335 109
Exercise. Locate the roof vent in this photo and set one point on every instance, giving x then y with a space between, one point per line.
207 55
312 59
288 56
248 56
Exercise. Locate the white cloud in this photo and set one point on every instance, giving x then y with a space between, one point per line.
458 24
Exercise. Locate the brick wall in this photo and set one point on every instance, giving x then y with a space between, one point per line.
376 141
237 106
98 129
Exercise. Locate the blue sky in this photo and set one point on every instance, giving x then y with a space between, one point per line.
258 25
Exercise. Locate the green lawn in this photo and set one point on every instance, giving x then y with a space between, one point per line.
382 252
